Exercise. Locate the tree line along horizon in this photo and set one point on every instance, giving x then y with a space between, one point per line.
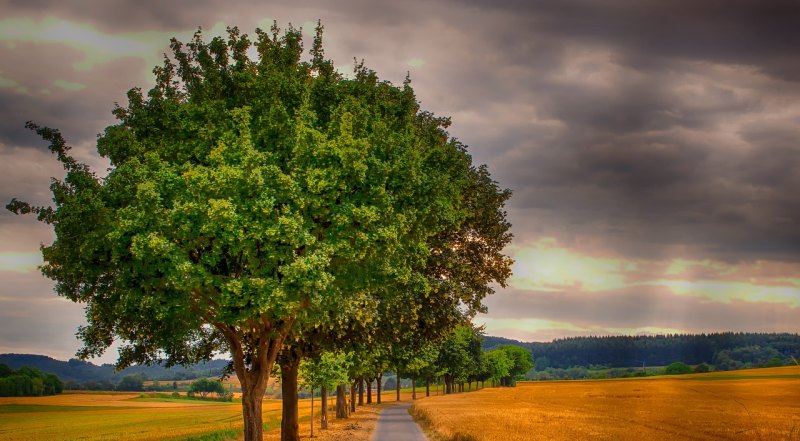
269 207
668 355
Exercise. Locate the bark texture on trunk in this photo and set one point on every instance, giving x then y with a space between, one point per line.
369 391
380 386
253 375
427 387
413 389
290 420
341 402
251 410
323 397
353 397
361 391
398 387
311 420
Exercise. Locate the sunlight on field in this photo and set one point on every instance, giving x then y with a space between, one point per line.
101 399
99 417
700 407
128 417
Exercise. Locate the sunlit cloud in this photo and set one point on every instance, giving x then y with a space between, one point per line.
725 292
682 266
96 46
544 330
548 266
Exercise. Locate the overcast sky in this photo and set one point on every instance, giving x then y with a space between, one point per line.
652 146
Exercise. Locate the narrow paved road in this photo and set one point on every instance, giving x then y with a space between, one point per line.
395 424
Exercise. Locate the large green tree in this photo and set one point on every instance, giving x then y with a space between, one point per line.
521 362
246 201
460 356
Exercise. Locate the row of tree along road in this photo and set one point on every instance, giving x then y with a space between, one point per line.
276 210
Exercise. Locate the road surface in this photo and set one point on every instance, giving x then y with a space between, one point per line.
395 424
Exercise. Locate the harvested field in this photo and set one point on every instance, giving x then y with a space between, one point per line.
762 404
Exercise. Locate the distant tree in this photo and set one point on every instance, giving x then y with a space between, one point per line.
204 386
52 385
130 383
678 368
325 372
390 383
459 356
521 362
498 364
542 363
702 368
28 381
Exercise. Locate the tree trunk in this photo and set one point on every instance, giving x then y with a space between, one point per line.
323 397
353 397
398 387
380 386
427 387
341 402
361 391
290 430
251 410
369 391
311 420
448 386
254 374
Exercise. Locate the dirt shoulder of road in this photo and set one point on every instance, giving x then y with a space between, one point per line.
358 427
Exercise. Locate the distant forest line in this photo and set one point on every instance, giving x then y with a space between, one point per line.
723 351
82 371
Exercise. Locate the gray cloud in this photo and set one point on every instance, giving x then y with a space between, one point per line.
642 124
642 307
27 298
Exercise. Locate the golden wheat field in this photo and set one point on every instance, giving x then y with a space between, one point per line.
139 417
759 404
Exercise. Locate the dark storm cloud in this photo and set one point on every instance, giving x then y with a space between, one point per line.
763 33
656 125
119 15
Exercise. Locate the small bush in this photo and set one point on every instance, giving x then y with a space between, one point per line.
702 368
678 368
